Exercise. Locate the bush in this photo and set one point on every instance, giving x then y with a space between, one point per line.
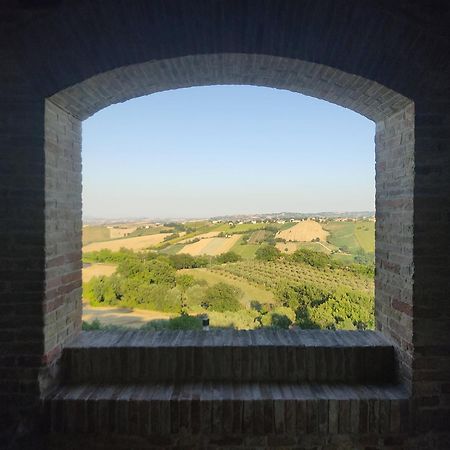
185 281
185 322
107 256
267 253
194 298
96 325
228 257
366 270
103 290
222 297
93 326
312 258
159 298
332 309
186 261
243 319
281 317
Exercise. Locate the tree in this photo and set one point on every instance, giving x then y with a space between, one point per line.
312 258
222 297
267 253
185 281
228 257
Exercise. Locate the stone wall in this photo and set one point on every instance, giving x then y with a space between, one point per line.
62 301
22 240
431 308
394 280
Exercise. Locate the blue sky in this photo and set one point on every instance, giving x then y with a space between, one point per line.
216 150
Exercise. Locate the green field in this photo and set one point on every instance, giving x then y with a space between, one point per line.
365 235
172 249
352 237
246 251
241 227
148 231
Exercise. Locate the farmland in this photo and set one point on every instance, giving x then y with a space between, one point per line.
242 275
352 236
95 234
305 231
133 243
210 246
270 274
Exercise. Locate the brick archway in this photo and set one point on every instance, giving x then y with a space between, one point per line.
392 113
66 60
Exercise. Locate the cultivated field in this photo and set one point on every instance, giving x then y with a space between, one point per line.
120 232
208 235
211 246
258 236
304 231
269 274
134 243
96 270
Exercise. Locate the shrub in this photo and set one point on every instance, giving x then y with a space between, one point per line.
222 297
238 320
195 296
281 317
312 258
228 257
93 326
96 325
185 281
267 253
158 298
186 261
185 322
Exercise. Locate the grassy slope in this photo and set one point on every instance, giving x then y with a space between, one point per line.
353 235
342 234
365 235
172 249
148 231
250 292
247 251
95 234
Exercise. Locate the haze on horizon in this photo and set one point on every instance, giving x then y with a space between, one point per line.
226 150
